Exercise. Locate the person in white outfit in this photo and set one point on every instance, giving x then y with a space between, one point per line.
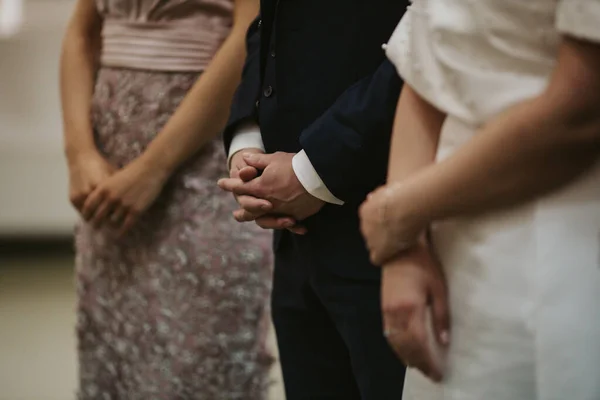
494 173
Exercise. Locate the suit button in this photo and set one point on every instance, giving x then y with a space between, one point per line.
257 104
268 91
273 53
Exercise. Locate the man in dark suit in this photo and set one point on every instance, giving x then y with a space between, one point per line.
308 139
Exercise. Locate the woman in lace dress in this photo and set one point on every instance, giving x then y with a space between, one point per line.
507 93
172 291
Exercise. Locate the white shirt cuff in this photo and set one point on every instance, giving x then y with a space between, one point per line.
247 136
312 182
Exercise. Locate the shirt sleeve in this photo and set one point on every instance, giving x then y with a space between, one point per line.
312 182
247 136
579 18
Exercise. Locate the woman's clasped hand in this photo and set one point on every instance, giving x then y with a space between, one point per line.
111 197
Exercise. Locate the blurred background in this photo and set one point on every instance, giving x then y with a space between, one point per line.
37 298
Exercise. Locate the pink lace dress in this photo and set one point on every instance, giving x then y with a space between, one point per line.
177 309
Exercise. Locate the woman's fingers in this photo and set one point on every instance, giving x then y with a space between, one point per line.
423 355
77 199
440 312
103 211
117 216
409 341
91 204
128 222
378 253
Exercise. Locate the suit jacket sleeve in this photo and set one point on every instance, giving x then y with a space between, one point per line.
348 145
243 107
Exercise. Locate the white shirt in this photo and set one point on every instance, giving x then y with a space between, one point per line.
475 58
248 136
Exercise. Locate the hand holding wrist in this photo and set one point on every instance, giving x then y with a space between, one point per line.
391 222
401 209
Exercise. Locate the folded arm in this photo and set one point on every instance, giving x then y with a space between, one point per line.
414 144
534 148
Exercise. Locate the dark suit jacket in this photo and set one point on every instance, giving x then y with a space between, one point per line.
316 78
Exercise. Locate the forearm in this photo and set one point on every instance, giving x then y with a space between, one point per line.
77 74
203 113
534 148
415 135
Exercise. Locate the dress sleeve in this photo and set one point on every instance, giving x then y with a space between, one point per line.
579 18
397 47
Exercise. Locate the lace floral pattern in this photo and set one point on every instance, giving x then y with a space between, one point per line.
177 309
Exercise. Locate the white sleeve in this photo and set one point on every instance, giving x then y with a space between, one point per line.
397 47
312 182
579 18
247 136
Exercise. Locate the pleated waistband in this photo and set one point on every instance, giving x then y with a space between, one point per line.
158 46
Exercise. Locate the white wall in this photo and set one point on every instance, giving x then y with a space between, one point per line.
33 179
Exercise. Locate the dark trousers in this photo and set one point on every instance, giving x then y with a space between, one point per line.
329 331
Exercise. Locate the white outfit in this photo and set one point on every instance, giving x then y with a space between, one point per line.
524 283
